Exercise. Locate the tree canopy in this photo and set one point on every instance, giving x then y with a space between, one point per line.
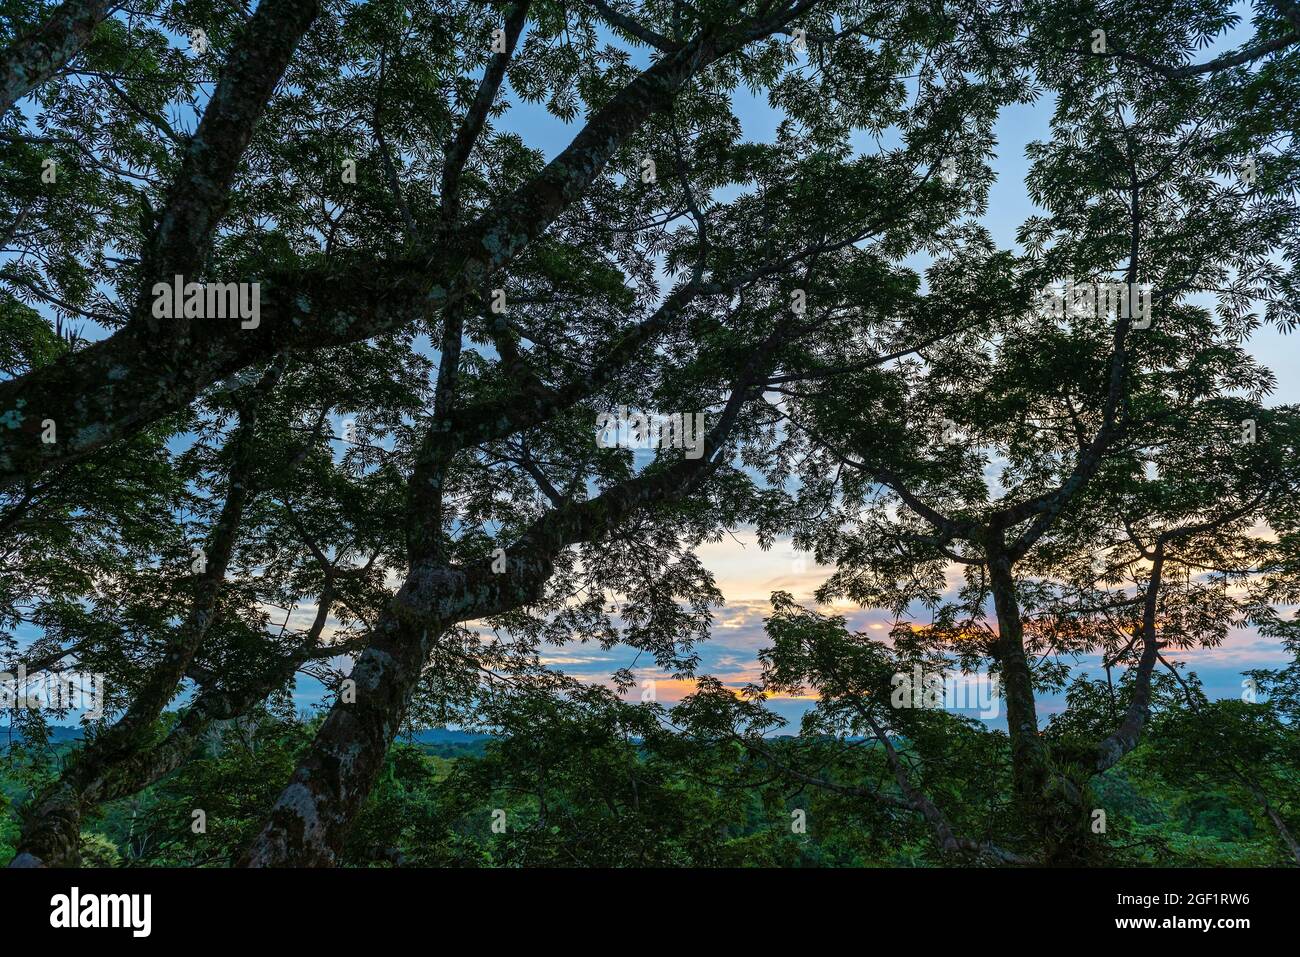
313 363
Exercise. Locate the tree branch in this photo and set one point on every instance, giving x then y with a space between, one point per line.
32 59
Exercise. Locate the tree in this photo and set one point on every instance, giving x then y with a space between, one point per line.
1063 402
520 401
344 335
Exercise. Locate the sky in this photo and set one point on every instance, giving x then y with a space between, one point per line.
747 575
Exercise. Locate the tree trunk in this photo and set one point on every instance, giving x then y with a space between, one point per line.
1050 804
310 820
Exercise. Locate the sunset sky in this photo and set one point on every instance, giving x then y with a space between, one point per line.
747 575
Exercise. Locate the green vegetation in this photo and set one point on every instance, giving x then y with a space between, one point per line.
587 789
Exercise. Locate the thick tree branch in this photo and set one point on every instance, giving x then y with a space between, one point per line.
467 134
32 59
201 191
631 26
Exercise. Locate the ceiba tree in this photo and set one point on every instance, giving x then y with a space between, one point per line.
617 286
351 160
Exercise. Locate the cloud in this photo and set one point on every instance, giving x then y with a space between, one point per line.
747 574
